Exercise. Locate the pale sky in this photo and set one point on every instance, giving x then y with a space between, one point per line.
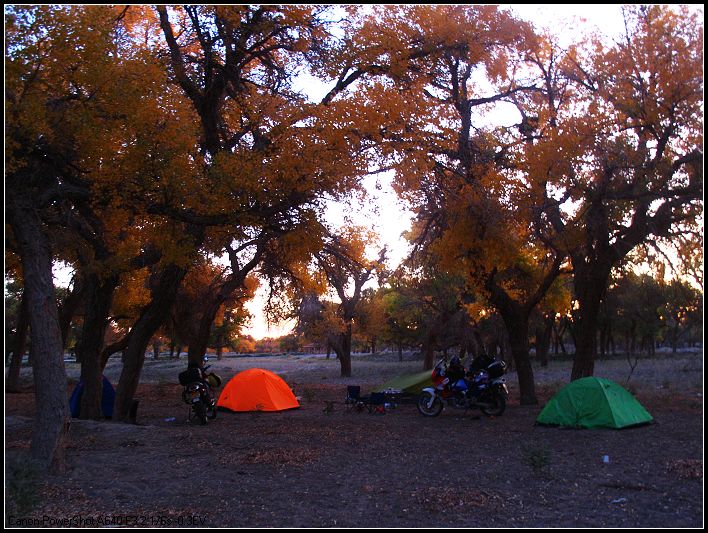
384 213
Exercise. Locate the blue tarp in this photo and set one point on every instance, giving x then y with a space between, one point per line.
107 399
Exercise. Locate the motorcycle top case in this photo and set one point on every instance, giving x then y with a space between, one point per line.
496 369
189 376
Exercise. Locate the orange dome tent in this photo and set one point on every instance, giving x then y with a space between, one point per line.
257 389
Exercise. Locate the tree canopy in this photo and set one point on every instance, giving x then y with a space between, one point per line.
170 154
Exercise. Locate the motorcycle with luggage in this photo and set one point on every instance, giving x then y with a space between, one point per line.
197 392
481 387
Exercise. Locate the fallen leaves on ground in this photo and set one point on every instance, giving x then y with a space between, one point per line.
281 457
446 499
686 468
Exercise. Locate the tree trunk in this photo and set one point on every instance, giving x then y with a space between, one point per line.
152 317
675 337
559 337
428 352
12 384
236 281
516 322
52 406
342 344
543 340
99 297
68 309
590 282
219 347
518 330
199 343
585 347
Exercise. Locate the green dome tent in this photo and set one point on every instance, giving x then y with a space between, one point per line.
410 383
592 403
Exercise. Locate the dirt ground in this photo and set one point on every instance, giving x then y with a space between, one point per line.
312 468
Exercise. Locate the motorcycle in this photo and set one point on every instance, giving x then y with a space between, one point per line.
483 387
197 394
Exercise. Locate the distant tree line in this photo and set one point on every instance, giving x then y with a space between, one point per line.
639 314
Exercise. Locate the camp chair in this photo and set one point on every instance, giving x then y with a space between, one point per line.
374 403
354 399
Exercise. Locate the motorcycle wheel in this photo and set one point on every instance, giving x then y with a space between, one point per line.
426 408
200 410
496 404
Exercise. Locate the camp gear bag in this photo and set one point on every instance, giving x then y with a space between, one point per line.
189 376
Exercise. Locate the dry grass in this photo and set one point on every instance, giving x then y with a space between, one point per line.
281 457
686 468
452 499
